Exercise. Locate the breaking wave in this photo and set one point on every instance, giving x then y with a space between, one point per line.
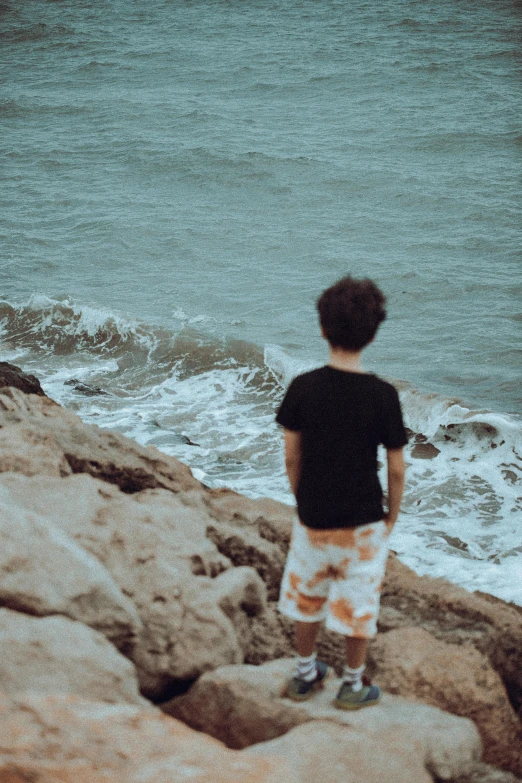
210 401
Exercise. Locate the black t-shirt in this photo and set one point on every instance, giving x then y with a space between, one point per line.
343 417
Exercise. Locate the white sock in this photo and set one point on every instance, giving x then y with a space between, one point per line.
306 668
354 677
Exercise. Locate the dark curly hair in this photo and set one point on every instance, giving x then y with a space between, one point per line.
350 312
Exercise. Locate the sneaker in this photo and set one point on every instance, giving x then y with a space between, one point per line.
301 690
348 699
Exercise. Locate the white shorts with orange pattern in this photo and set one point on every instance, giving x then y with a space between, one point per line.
336 576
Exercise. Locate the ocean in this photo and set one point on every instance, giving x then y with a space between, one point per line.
180 179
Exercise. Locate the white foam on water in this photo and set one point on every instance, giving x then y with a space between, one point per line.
462 507
430 554
48 317
285 366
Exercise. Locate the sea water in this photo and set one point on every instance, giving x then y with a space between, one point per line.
181 179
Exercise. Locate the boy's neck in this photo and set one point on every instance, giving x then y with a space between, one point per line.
349 361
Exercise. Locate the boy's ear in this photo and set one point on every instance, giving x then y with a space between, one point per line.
323 333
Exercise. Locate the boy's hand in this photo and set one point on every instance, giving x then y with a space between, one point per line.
389 522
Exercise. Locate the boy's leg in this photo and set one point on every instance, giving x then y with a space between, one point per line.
353 609
305 638
355 652
303 598
355 662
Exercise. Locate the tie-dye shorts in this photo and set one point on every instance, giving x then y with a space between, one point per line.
336 576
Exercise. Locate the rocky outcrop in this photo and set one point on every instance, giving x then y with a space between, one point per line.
150 552
468 634
241 705
115 539
38 436
11 375
459 617
324 751
458 678
69 739
44 572
56 655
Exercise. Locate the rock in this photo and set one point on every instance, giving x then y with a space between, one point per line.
71 446
424 451
57 655
31 453
236 710
169 546
252 532
44 572
448 612
63 738
322 751
460 679
241 705
244 547
68 739
457 616
485 773
273 521
84 388
11 375
155 548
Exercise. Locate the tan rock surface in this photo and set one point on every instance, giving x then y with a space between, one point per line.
272 520
447 611
58 655
31 453
322 751
170 556
457 678
66 444
251 532
242 704
457 616
67 739
44 572
154 546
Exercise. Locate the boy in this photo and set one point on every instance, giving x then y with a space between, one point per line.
334 418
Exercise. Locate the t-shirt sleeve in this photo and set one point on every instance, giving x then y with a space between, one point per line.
289 414
393 432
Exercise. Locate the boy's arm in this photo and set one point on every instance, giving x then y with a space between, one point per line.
396 471
293 457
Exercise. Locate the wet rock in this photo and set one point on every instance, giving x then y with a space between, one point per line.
84 388
11 375
424 451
